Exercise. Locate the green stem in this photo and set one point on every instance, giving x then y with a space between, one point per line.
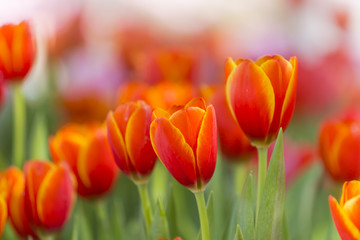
103 221
204 223
146 205
240 176
262 166
19 115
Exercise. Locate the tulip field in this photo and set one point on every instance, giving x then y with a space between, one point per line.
189 120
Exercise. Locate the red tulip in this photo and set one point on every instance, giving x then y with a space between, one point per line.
233 142
346 214
128 133
339 146
184 139
17 51
86 150
49 194
262 95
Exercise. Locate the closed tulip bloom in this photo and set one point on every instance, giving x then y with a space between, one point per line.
14 182
128 132
261 95
346 214
233 142
17 50
185 141
85 148
339 147
49 194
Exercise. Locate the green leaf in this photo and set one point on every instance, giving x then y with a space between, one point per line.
238 234
246 209
231 229
159 227
210 208
269 224
39 136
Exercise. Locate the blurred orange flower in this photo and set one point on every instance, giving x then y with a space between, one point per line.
185 140
17 50
339 146
49 194
346 214
262 95
86 150
128 131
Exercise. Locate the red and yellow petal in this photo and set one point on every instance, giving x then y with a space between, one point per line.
117 143
137 139
173 151
230 65
3 214
96 166
352 210
346 228
350 190
290 97
55 198
251 99
207 145
196 102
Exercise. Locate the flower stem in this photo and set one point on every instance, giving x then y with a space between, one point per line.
103 220
262 165
240 172
146 205
19 115
204 223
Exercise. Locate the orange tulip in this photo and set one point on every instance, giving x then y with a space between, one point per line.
17 51
346 214
185 140
49 194
339 146
233 142
86 150
12 181
128 132
262 95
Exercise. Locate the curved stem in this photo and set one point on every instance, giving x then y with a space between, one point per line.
19 115
262 166
204 223
146 205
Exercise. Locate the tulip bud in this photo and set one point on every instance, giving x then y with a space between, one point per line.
346 214
261 95
128 133
17 51
339 146
86 150
185 140
49 194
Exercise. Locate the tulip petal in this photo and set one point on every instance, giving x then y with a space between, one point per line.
188 121
35 172
159 113
55 198
170 146
346 228
117 144
207 145
352 210
350 190
96 165
196 102
251 97
290 97
137 139
230 65
3 214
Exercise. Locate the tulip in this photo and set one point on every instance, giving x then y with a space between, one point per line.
86 150
2 89
17 51
3 214
49 194
339 146
262 95
346 214
233 142
15 197
128 133
185 141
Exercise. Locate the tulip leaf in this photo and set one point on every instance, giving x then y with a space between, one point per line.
238 234
39 138
118 220
246 209
231 229
269 222
159 227
210 207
